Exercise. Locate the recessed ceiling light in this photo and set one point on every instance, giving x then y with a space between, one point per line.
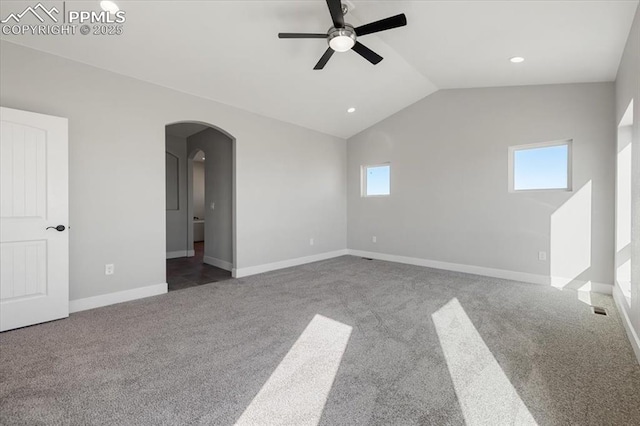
352 109
109 6
517 59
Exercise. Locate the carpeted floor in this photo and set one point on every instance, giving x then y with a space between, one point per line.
408 346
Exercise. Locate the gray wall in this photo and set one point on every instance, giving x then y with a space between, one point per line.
198 189
173 184
449 197
218 166
117 176
177 220
627 89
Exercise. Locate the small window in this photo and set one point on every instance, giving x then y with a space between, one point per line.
376 180
538 167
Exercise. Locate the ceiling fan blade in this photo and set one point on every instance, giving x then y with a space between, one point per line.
382 25
301 35
367 53
335 9
325 58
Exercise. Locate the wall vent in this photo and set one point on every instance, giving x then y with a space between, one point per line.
598 310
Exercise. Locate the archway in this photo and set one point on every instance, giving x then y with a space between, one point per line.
202 159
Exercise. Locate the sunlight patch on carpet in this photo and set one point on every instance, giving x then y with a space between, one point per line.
298 389
485 394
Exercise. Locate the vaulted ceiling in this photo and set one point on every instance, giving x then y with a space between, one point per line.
228 51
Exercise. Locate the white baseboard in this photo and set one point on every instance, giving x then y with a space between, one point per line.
480 270
621 304
589 286
176 254
252 270
180 253
222 264
117 297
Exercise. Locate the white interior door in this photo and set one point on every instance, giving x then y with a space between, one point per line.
34 194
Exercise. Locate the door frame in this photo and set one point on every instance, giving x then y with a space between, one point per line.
190 208
234 171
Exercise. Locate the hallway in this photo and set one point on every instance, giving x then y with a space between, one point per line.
185 272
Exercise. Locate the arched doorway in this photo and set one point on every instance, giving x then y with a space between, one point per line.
200 207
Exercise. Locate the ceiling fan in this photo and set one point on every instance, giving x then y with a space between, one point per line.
343 36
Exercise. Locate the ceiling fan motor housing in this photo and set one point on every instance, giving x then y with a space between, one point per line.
341 39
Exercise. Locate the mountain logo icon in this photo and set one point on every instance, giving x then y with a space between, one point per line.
38 11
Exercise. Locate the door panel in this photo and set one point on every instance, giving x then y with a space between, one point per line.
34 261
24 269
23 154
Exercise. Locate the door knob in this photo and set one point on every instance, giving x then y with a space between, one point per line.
58 228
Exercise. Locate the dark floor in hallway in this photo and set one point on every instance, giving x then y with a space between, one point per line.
185 272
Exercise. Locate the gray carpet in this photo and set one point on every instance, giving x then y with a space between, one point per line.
426 347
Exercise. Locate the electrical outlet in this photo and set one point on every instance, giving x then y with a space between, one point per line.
542 255
311 242
109 269
374 239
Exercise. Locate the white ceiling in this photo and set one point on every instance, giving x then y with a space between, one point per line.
228 51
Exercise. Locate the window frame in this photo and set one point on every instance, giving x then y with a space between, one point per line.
363 180
512 157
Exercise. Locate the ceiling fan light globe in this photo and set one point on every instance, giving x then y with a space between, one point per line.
109 6
342 43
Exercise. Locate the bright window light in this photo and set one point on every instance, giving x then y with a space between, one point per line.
376 180
570 235
624 191
536 167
